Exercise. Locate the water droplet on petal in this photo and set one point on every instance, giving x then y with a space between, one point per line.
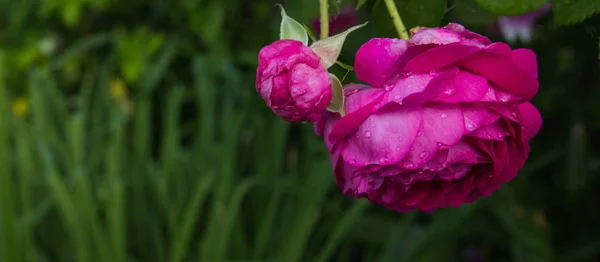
408 165
444 116
352 161
489 136
420 133
368 134
500 135
432 72
389 87
383 160
397 97
400 138
449 92
423 154
470 126
514 114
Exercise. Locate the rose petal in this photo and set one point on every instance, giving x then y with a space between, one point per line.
437 36
464 87
384 137
443 126
532 120
475 116
496 131
463 32
503 72
526 60
375 59
439 57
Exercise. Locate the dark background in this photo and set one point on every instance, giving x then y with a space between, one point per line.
132 131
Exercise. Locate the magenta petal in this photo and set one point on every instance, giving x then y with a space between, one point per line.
499 48
462 153
464 87
437 36
532 120
384 137
406 86
463 32
375 59
526 60
439 57
503 72
496 131
443 126
357 96
475 116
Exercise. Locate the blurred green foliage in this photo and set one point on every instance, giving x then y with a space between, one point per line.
131 131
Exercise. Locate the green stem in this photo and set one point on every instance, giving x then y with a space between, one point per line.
323 5
391 7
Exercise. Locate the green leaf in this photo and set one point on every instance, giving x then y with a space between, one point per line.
329 48
337 99
345 66
310 33
428 13
291 29
511 7
571 12
360 4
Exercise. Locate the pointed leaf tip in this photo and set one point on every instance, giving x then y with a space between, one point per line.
291 29
329 48
337 97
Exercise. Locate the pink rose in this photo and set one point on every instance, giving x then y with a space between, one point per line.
292 80
446 122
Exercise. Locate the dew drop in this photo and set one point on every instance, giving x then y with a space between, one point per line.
444 116
470 126
397 97
398 149
400 138
352 161
420 133
504 99
423 154
383 160
368 134
421 87
389 87
514 114
500 135
489 136
432 72
408 165
449 92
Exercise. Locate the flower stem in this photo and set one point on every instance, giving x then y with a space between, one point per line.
324 7
391 7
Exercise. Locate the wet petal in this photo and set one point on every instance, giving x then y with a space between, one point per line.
475 116
532 120
503 72
437 36
439 57
463 32
375 59
526 60
384 137
464 87
443 126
